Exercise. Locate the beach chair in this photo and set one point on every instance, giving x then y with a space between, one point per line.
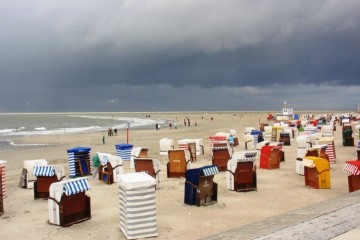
330 149
27 178
150 166
45 176
220 157
241 171
348 139
316 172
137 205
110 167
270 157
68 204
179 162
138 152
79 161
200 188
358 151
124 150
285 138
352 167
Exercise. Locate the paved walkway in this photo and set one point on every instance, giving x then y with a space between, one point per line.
336 219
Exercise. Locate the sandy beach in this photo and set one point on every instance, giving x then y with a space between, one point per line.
278 191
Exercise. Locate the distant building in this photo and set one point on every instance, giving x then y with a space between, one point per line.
286 114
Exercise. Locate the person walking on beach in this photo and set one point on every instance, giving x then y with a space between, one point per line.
96 164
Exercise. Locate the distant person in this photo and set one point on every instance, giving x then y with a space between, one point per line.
184 122
195 124
103 139
156 127
95 164
115 131
170 125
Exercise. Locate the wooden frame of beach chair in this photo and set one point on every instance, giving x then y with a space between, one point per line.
220 157
244 177
177 165
354 183
74 209
147 165
270 157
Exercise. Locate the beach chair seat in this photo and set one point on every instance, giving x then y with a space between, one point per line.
178 163
270 157
68 204
150 166
241 172
220 157
316 172
200 188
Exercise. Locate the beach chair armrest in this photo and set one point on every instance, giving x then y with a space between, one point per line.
62 178
56 201
157 172
117 166
230 172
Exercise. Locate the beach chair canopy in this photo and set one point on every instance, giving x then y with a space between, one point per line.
193 175
76 186
46 171
352 167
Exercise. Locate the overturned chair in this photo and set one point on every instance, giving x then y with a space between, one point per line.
179 162
150 166
110 167
220 157
68 204
200 189
241 171
45 176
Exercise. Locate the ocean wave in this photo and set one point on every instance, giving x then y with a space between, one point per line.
40 128
54 131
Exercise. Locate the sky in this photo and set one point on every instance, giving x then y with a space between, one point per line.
161 55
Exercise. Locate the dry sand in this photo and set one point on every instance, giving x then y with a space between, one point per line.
279 191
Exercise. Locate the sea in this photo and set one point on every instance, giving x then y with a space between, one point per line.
19 125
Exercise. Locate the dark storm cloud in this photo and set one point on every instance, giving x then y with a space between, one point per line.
78 50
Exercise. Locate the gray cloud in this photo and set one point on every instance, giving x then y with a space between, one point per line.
116 55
